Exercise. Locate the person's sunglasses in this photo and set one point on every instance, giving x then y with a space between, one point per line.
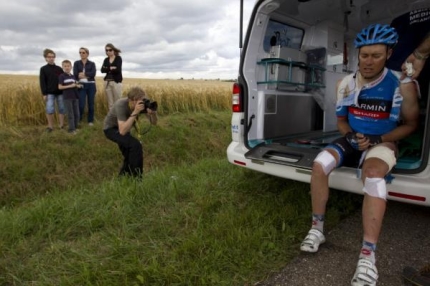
108 50
82 52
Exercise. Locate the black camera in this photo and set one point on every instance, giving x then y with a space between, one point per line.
148 104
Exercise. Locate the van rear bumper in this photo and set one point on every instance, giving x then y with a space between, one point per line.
413 189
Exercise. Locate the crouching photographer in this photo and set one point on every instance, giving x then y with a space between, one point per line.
118 123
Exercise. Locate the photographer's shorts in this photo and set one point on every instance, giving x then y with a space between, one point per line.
50 104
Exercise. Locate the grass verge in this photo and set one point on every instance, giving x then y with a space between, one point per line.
195 219
206 224
35 162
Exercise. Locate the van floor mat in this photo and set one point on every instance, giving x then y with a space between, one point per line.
284 155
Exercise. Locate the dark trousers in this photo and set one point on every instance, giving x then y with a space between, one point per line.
131 150
72 111
87 94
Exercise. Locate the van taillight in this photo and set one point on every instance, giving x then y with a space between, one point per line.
236 98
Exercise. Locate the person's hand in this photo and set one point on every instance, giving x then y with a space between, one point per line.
417 67
81 75
139 107
373 139
45 97
365 141
362 142
112 67
152 116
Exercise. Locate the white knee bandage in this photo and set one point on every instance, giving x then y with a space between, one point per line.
326 160
384 153
375 187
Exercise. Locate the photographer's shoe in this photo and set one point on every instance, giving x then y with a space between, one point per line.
90 124
48 130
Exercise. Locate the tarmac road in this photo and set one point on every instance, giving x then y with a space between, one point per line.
404 241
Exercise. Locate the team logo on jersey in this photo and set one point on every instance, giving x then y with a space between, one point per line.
373 107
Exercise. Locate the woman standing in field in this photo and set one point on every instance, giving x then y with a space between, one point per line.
84 71
112 67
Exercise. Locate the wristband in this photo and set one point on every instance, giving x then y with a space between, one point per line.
133 115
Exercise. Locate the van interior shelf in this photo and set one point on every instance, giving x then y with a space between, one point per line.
291 66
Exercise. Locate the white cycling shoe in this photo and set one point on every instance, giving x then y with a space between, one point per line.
312 241
366 273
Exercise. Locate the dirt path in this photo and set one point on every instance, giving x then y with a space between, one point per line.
405 241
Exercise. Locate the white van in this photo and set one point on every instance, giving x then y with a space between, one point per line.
294 52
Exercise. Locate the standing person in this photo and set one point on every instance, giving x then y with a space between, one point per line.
84 71
112 67
418 59
370 103
67 83
414 32
48 79
117 126
413 47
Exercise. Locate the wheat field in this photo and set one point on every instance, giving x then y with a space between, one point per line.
21 101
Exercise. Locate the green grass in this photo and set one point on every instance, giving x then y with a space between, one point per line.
194 220
36 162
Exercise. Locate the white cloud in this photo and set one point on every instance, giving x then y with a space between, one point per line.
158 38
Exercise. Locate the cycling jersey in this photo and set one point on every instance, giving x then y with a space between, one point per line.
373 109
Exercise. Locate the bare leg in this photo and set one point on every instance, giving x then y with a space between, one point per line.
320 194
61 119
319 190
319 186
373 214
50 118
373 207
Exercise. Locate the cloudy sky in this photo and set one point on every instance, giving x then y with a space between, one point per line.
158 38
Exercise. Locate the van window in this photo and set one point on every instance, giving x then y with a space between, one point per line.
286 35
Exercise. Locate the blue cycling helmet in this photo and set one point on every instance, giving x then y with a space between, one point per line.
376 34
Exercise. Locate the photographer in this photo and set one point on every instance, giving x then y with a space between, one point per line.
117 126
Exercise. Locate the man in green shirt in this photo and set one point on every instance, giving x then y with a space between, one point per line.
117 126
